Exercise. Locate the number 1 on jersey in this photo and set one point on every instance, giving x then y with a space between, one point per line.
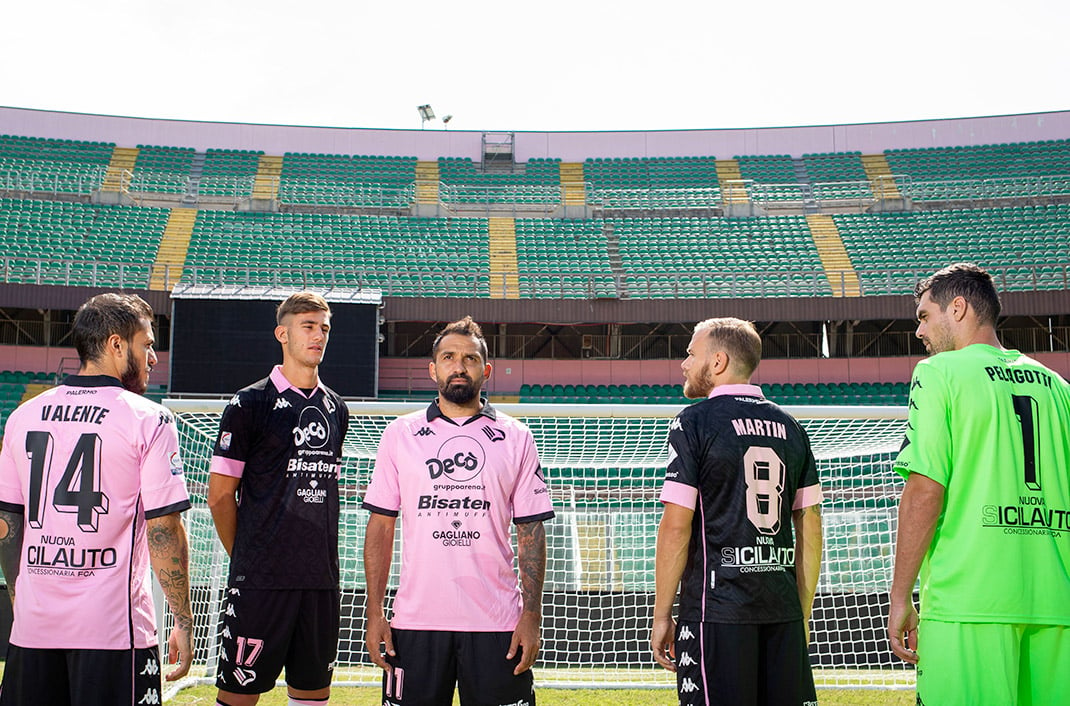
1026 409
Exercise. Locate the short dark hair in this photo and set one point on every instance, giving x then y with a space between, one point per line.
464 327
103 316
301 303
739 338
964 280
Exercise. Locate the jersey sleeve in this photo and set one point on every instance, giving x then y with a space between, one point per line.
11 495
235 439
531 497
163 487
383 495
681 474
809 490
927 447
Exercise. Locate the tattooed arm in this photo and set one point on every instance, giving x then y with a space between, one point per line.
10 549
531 557
169 551
807 523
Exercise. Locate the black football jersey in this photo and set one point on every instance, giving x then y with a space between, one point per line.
287 448
747 459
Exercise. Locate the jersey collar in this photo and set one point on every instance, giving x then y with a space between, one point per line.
91 381
433 412
736 390
282 384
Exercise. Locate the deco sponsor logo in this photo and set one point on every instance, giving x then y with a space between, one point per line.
460 459
312 430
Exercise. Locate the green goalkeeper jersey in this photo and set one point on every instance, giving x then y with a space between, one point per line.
993 427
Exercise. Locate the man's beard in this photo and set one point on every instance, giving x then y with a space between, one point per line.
459 394
131 378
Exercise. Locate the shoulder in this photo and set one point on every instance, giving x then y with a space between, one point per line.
144 408
507 421
259 392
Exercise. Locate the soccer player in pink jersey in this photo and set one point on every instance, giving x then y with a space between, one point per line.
273 493
91 495
457 473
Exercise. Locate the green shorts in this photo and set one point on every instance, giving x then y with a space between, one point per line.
993 663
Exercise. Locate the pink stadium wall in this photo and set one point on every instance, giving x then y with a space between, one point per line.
568 146
509 375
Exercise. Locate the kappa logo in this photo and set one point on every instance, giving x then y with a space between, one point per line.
234 591
226 632
424 431
152 668
675 424
494 434
152 696
282 403
243 676
685 633
236 401
685 660
230 611
687 686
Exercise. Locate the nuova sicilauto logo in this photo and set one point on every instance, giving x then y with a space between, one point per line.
459 459
312 431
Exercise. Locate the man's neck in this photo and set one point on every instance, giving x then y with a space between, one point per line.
453 410
301 376
95 368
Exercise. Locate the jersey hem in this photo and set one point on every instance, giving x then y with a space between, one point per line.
13 508
168 510
379 510
533 518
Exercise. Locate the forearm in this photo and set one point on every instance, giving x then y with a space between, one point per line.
919 510
669 562
531 558
808 537
169 554
378 555
10 549
223 503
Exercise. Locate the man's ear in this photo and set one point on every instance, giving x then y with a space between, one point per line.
281 334
720 362
115 346
431 370
959 306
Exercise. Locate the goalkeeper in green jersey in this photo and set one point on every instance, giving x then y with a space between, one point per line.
985 514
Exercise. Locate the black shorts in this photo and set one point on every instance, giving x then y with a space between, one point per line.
430 663
763 665
38 677
262 631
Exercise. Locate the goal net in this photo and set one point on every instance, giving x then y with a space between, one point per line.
604 465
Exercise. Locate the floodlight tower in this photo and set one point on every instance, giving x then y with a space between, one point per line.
425 114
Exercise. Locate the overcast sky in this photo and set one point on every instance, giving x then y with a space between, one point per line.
547 65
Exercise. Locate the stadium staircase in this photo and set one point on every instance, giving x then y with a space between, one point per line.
504 277
268 174
729 178
33 389
174 245
122 160
880 176
834 258
427 180
573 189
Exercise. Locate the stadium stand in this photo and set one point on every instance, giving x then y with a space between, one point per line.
346 180
63 243
53 166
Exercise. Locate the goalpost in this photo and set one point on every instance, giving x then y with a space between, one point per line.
604 465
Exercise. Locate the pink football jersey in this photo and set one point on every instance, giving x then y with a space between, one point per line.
457 484
87 463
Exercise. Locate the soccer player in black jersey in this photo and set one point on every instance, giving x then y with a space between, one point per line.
741 475
273 492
